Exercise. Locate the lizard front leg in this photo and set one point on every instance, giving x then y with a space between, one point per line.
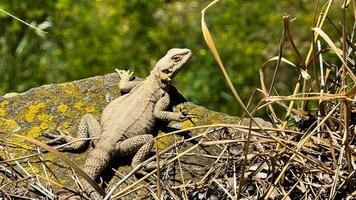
160 111
88 127
126 83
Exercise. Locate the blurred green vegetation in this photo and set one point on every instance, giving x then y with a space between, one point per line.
87 38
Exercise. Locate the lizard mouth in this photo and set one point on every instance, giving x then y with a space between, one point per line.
187 55
166 77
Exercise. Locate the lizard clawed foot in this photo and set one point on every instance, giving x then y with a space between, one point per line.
124 75
57 139
147 168
101 182
141 173
186 115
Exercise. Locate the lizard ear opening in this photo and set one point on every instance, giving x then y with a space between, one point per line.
165 71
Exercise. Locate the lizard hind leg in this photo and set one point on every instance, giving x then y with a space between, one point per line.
88 127
141 145
99 158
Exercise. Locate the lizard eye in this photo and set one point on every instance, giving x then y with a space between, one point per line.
176 58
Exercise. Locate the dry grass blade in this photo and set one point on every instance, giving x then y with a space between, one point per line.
299 146
185 197
222 187
354 9
314 97
59 155
320 24
246 150
210 42
346 4
295 49
336 50
158 170
56 183
22 21
14 182
304 73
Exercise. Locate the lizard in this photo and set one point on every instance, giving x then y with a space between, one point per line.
126 122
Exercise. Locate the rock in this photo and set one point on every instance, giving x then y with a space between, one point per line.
49 107
46 108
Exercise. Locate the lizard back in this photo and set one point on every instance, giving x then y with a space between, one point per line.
131 114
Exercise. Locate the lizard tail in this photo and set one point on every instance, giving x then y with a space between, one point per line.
98 159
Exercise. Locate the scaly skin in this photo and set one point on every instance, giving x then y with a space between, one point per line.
127 121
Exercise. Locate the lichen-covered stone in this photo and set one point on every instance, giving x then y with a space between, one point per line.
49 107
60 106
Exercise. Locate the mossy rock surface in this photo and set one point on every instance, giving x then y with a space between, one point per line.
49 107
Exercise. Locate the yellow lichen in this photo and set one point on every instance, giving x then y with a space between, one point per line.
69 92
45 117
70 88
33 169
2 112
8 125
44 126
65 86
52 126
65 125
71 85
164 141
34 132
190 123
78 105
214 118
62 108
32 111
4 103
125 169
90 109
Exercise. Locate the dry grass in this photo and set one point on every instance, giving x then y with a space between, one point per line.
326 137
309 154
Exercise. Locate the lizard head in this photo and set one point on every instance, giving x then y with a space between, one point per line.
167 67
